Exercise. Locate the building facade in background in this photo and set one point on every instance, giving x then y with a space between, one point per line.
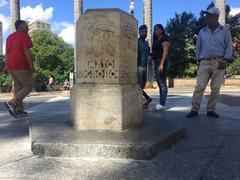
39 25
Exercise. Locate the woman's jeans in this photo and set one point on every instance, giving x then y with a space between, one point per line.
161 78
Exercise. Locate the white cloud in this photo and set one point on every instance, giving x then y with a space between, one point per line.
5 23
28 13
68 34
64 30
3 3
234 11
59 26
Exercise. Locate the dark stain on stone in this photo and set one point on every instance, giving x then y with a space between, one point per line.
109 120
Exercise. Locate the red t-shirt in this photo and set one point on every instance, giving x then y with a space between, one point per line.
16 43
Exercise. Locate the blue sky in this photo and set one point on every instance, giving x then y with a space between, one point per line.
60 12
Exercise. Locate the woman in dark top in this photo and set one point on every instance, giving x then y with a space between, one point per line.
160 53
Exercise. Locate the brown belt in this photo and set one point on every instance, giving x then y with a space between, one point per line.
212 58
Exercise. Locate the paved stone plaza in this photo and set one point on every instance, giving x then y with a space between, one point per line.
209 151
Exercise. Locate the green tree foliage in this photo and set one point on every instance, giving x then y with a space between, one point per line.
181 50
2 64
234 68
5 79
234 25
183 30
51 55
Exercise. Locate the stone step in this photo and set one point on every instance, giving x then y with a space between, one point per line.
59 139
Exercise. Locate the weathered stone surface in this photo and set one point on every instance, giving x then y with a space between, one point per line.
210 150
79 169
226 162
106 94
112 107
106 47
143 142
14 140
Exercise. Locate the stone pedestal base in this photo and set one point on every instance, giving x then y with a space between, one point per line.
108 107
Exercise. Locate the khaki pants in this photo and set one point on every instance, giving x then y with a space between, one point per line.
208 70
23 84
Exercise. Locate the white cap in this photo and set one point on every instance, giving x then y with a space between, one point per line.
213 10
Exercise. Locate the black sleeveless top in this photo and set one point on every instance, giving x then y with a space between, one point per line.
157 48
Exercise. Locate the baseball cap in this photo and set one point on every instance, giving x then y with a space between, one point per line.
213 10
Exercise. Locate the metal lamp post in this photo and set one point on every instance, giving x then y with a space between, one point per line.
132 7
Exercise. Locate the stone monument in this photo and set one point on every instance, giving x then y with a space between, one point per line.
106 94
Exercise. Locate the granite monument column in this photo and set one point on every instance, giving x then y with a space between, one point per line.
147 18
222 7
106 94
78 11
14 13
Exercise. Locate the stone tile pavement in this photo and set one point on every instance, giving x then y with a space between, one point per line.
210 150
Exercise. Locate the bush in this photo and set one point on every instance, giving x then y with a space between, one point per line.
191 71
234 68
5 79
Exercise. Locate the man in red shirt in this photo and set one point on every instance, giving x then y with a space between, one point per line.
20 66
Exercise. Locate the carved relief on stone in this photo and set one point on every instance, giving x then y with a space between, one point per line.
129 31
106 48
101 29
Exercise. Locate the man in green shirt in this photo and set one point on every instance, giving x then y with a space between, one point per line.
143 53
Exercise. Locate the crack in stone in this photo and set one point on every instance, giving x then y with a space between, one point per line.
201 174
18 160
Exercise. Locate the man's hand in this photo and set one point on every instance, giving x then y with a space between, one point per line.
222 65
228 60
198 62
32 70
161 68
28 54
